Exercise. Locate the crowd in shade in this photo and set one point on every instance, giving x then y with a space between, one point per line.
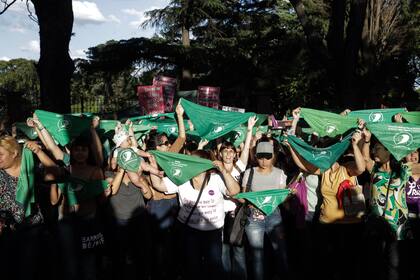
201 193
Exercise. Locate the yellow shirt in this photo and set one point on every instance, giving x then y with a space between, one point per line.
331 179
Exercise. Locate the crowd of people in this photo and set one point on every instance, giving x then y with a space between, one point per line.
77 212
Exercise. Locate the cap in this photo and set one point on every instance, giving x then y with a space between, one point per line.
119 137
265 148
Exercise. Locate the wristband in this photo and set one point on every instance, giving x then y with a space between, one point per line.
367 142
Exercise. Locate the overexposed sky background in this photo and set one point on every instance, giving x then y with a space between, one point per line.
95 22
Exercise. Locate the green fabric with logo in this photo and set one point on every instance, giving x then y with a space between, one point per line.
266 201
129 160
63 128
376 115
25 190
77 190
212 123
180 168
399 138
27 130
326 123
412 117
323 158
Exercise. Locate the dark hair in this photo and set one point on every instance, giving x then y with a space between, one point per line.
190 146
201 154
226 145
154 140
82 141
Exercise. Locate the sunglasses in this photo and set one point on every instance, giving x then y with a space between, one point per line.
166 143
264 156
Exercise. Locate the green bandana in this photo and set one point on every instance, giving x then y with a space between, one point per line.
106 129
266 201
25 192
77 190
211 123
237 136
323 158
63 128
129 160
411 117
326 123
376 115
399 138
27 130
153 117
261 118
180 168
167 126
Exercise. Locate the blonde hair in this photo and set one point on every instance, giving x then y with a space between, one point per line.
11 145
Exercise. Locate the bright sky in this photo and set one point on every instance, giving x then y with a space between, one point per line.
95 22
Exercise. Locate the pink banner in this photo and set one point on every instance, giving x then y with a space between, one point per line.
169 89
209 96
151 99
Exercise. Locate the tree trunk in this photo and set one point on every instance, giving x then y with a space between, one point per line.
186 81
55 67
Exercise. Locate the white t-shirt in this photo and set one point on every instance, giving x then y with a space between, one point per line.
240 166
209 214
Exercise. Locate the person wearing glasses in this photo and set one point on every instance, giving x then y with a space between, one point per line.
265 177
163 208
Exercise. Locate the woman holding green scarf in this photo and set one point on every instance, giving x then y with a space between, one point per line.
388 215
164 207
234 261
20 217
201 225
78 207
339 235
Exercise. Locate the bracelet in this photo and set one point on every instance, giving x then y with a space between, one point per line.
41 128
367 142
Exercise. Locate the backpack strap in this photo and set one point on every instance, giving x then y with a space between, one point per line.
205 181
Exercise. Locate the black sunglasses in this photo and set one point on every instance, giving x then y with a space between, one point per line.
166 143
264 156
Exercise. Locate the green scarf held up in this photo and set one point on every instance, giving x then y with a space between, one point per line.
106 129
376 115
25 191
77 190
27 130
412 117
153 117
267 201
326 123
212 123
399 138
63 128
180 168
167 126
323 158
129 160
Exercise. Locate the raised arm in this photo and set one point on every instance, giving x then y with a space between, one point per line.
301 162
115 181
232 185
157 182
367 135
247 146
296 117
360 164
47 140
182 137
96 145
51 169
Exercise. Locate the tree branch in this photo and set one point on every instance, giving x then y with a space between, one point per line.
6 6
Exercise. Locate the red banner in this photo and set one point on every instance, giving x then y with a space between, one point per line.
209 96
151 99
169 89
